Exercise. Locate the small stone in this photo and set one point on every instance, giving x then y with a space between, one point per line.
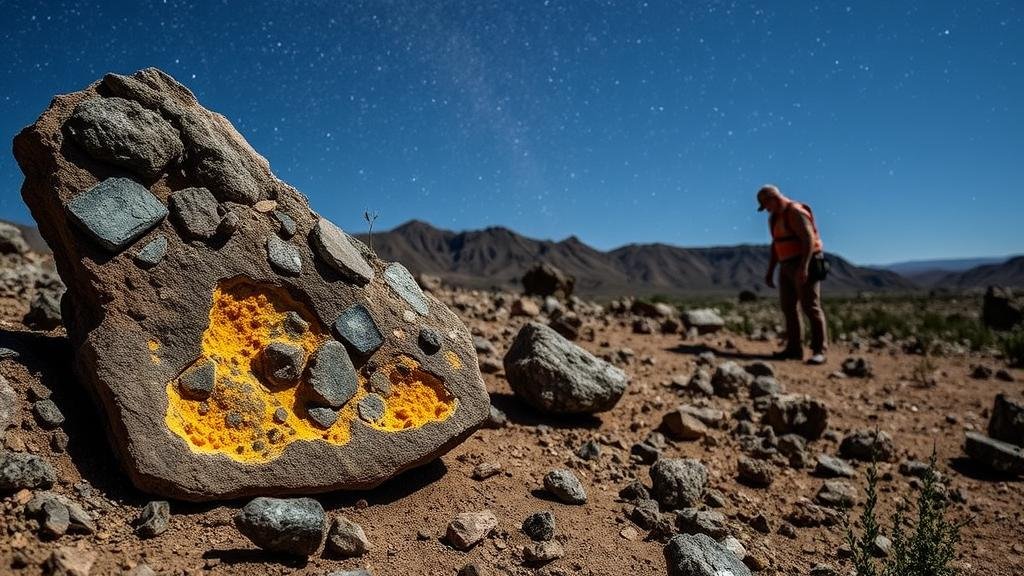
485 470
197 381
867 445
761 523
115 212
429 341
857 368
683 425
565 486
496 419
472 569
837 494
264 206
372 408
543 552
290 526
44 311
678 482
765 386
797 414
194 211
10 413
380 383
294 325
283 363
332 377
67 561
287 224
880 546
832 467
283 257
323 417
152 253
346 538
699 555
154 519
335 248
704 320
47 413
729 379
468 528
402 282
52 515
634 491
356 328
540 526
589 450
694 521
994 454
233 419
19 470
756 473
760 369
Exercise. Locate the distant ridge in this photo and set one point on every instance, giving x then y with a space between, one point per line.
497 257
1009 273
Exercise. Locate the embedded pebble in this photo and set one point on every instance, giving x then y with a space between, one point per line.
152 253
323 417
371 408
283 257
565 486
197 382
332 377
356 328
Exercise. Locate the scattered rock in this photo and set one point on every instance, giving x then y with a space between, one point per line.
704 320
832 467
565 486
797 414
154 519
866 445
44 311
555 375
837 494
678 482
524 307
682 425
47 413
1007 420
283 363
67 561
20 470
544 279
857 368
468 528
760 369
540 526
729 379
485 470
994 454
699 555
589 450
694 521
543 552
290 526
346 538
757 473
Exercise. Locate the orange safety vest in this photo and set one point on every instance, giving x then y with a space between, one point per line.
786 243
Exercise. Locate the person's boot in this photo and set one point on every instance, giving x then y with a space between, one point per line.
817 359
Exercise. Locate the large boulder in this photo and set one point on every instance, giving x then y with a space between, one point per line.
555 375
199 323
994 454
543 279
1007 420
704 320
797 414
1001 309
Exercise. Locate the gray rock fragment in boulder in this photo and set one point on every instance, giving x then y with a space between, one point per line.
700 555
152 253
356 328
290 526
554 375
283 362
115 212
47 413
197 381
332 377
123 133
371 408
19 470
336 249
10 413
283 257
194 211
565 486
429 341
694 521
402 282
286 224
323 417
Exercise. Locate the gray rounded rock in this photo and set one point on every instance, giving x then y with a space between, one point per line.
402 282
19 470
283 362
153 520
123 133
346 538
332 377
197 382
47 413
371 407
283 257
337 250
565 486
323 417
699 555
290 526
554 375
115 212
356 328
194 210
678 482
540 526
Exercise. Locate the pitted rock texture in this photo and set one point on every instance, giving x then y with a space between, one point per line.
198 333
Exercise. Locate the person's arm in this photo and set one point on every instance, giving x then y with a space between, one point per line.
769 277
801 224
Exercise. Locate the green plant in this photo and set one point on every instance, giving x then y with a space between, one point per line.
927 550
923 372
370 218
1012 345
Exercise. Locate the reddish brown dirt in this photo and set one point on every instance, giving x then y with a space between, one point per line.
202 540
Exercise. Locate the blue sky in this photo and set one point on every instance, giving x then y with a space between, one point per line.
900 122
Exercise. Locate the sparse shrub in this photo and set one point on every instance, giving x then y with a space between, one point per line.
927 550
1012 345
923 372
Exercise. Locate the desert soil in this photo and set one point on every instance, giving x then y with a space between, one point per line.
405 518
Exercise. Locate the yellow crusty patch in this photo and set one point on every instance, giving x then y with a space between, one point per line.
238 419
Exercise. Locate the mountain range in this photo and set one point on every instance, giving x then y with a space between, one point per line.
496 257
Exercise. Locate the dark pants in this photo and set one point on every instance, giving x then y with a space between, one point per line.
792 297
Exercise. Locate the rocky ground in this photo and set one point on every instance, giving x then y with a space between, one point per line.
920 404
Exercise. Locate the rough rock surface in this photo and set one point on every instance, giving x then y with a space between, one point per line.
704 320
678 482
555 375
1007 420
291 526
797 414
101 166
699 555
543 279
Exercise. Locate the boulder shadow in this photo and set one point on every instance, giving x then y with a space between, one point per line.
239 556
49 358
977 471
391 490
522 413
696 349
